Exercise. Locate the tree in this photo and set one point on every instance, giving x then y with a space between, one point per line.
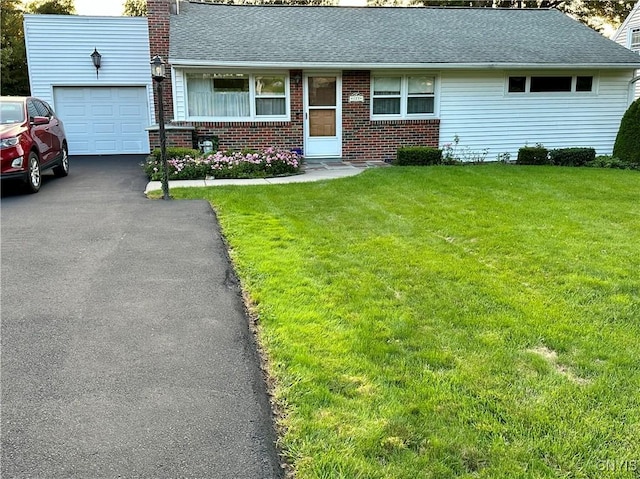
135 8
51 7
13 55
627 145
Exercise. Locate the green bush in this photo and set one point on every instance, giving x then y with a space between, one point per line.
418 156
175 152
608 161
572 156
533 155
627 145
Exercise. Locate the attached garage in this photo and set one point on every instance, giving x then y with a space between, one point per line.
105 111
104 120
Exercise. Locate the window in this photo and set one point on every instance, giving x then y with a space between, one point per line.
634 40
402 96
584 83
550 84
270 96
517 84
547 84
228 96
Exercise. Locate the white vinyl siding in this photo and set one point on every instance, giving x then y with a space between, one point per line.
59 49
625 37
476 107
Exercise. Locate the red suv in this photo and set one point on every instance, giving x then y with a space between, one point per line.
32 140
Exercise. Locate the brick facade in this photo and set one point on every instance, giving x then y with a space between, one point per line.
362 138
158 18
175 137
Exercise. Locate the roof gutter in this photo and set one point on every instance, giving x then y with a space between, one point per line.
178 62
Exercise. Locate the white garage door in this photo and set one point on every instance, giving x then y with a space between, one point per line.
103 120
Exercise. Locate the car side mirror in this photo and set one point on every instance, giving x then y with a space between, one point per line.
39 120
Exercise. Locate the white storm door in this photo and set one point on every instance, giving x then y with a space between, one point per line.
323 115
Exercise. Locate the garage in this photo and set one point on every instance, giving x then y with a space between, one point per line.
106 109
104 120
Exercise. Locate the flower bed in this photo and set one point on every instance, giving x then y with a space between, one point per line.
226 164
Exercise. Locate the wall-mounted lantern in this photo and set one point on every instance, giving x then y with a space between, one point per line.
96 58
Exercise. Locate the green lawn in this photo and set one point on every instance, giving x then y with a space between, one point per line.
440 322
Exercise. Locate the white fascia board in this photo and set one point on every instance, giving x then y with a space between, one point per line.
181 63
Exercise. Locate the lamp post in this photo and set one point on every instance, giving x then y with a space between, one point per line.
158 74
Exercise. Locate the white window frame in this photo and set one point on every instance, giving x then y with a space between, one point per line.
634 46
253 117
404 95
574 80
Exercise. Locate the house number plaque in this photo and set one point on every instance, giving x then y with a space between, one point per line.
356 98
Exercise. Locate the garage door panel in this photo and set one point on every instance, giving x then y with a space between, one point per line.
128 94
82 128
98 94
104 120
76 111
102 111
104 128
133 111
103 146
132 145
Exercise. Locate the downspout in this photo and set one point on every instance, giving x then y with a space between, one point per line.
632 88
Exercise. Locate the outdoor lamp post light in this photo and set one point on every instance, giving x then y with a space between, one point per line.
158 72
96 58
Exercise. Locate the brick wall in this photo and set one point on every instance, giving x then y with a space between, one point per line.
175 137
158 18
363 139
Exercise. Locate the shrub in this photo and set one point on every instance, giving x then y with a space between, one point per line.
572 156
627 145
227 164
175 152
533 155
608 161
418 155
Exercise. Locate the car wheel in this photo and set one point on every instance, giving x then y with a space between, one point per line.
34 176
63 168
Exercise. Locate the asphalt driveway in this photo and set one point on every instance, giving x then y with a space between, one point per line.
125 346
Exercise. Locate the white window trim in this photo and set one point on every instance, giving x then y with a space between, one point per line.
253 117
634 46
404 95
574 79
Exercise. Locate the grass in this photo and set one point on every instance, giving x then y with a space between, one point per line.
445 322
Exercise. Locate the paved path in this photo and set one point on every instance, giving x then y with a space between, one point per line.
125 347
314 171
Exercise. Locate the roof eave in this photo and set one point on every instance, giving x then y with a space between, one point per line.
189 63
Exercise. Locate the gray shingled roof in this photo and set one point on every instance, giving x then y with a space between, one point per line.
359 36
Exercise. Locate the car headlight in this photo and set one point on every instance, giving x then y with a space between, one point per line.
8 142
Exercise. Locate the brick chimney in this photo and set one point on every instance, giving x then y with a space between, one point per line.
158 18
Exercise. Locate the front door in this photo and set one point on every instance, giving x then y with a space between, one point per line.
323 116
